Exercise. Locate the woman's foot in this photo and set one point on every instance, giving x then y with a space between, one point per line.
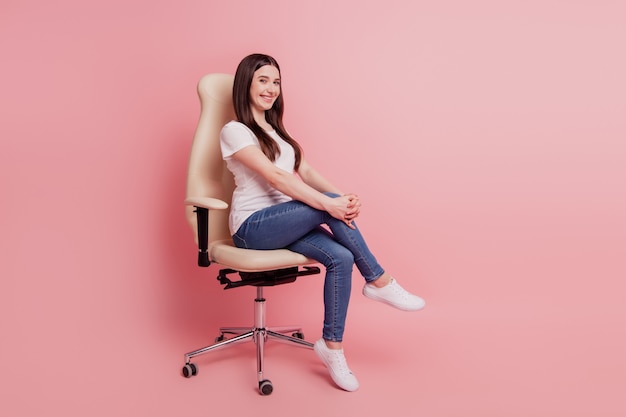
393 294
336 363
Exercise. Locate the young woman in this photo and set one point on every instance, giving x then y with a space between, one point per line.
274 208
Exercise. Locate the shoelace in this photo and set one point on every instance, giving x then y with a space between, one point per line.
399 290
339 363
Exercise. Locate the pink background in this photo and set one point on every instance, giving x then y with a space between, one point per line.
485 138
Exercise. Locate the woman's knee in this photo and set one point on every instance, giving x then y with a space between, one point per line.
341 257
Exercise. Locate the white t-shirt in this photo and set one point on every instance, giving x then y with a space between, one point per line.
252 192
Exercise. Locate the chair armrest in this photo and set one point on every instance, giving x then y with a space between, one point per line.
202 206
207 203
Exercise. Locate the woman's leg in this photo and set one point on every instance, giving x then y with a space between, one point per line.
282 224
338 262
277 226
352 239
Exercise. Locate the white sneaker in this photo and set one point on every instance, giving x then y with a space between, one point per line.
394 295
336 363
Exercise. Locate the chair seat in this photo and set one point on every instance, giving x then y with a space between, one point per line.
225 253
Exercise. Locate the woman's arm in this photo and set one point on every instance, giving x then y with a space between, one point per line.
313 178
340 208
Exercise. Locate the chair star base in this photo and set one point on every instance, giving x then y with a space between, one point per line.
259 333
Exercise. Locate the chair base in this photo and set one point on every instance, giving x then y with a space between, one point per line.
258 334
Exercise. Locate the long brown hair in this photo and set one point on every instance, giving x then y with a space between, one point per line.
274 116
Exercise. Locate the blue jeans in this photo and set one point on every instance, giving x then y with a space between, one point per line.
298 227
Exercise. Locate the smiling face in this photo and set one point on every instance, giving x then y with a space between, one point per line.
264 90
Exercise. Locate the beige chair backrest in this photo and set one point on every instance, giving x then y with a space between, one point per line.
207 174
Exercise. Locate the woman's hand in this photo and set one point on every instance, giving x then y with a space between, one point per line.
345 208
354 208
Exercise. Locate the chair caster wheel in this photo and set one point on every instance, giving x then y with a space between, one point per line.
190 370
298 335
266 387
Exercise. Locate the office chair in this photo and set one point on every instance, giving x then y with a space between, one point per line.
209 191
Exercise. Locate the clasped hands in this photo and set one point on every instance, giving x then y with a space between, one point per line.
346 208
